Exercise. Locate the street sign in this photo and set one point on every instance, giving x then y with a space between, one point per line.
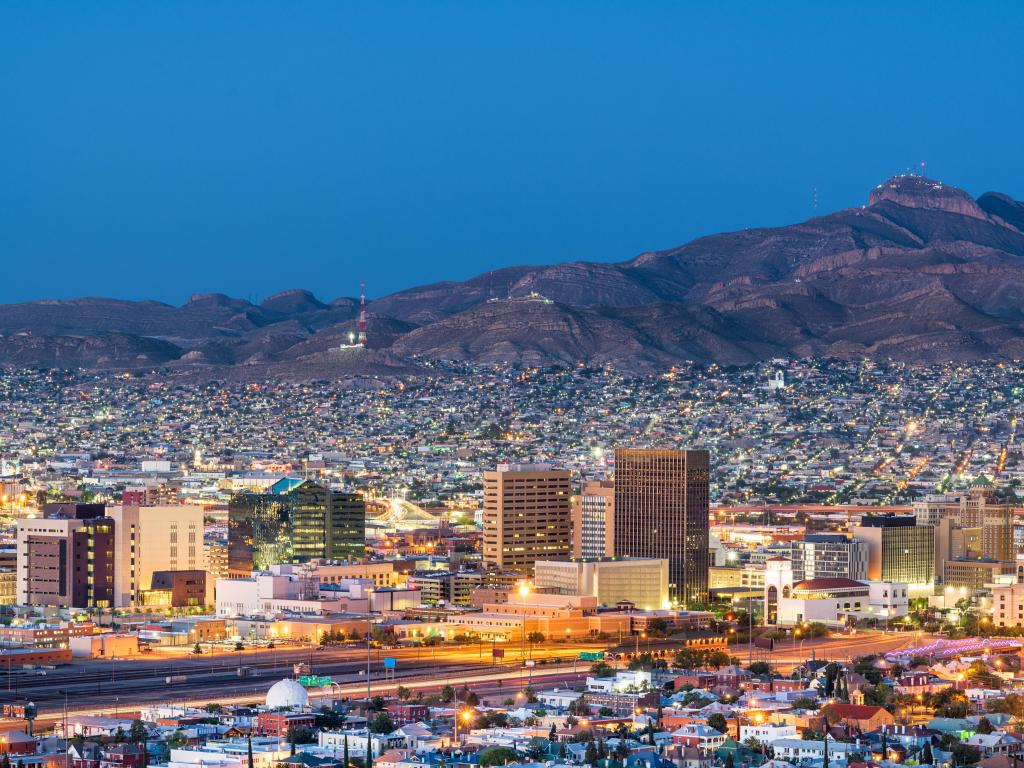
498 653
389 662
530 662
591 655
314 681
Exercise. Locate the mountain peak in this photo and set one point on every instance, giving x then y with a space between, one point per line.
292 301
922 192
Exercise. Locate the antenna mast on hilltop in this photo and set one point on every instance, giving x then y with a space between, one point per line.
922 169
362 314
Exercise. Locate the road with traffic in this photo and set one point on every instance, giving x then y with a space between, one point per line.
121 685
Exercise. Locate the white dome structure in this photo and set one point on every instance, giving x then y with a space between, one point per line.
287 694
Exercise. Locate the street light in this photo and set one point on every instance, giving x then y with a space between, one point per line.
467 716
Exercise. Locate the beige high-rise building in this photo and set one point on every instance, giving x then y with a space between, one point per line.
661 510
160 538
997 533
526 515
954 543
593 520
933 509
979 499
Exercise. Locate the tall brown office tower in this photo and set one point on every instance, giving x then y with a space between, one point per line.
661 510
526 515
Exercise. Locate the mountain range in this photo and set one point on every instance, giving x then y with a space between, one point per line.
923 272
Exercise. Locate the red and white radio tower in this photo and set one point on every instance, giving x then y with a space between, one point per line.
362 315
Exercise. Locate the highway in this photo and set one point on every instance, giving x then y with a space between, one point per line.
124 685
127 684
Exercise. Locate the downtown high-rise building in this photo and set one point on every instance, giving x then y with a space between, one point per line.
661 511
527 516
899 550
66 559
153 539
593 523
829 556
295 521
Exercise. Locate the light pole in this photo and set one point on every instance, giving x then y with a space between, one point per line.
466 716
750 630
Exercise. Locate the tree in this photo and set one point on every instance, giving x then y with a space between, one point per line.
964 754
579 707
657 627
804 702
984 726
239 646
177 740
344 754
497 756
472 700
382 723
119 735
137 733
926 754
718 659
760 668
328 718
1008 705
535 637
196 649
298 734
729 762
447 694
602 669
590 754
950 702
719 723
536 749
865 666
752 744
369 751
403 693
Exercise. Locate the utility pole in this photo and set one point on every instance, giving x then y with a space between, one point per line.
750 636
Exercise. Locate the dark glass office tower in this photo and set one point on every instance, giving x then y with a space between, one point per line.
295 521
661 510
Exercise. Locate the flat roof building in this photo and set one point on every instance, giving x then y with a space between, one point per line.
661 511
640 581
526 515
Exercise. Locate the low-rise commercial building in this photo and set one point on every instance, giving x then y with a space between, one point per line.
638 580
973 574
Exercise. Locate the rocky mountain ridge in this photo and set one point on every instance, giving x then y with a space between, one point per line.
922 272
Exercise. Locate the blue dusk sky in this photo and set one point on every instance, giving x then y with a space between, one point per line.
160 149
